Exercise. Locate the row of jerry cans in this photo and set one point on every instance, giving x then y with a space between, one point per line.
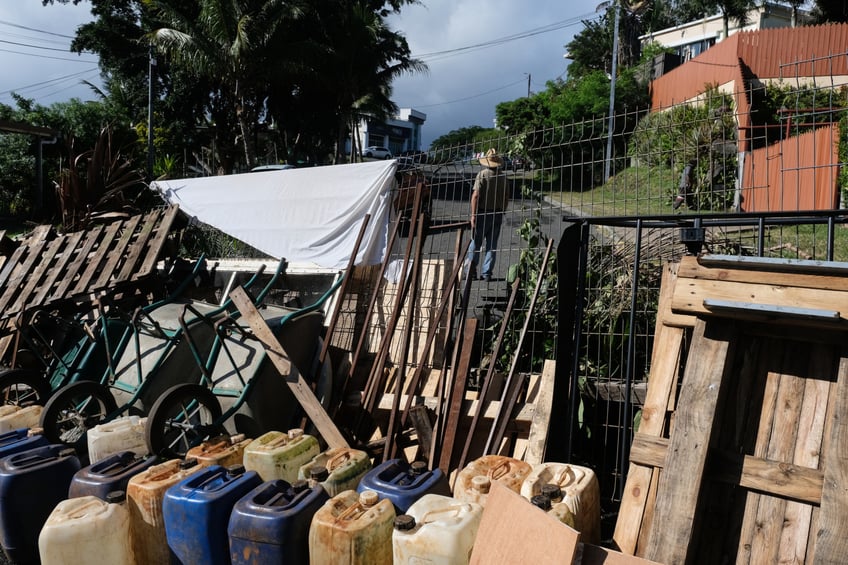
36 478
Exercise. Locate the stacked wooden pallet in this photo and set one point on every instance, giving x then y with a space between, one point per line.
48 270
749 462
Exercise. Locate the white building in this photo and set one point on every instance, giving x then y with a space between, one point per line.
402 133
691 39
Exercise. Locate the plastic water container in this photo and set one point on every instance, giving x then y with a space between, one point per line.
271 523
145 492
86 529
352 528
403 483
580 494
121 434
343 469
279 455
21 439
26 417
438 530
550 500
108 475
223 450
32 483
197 513
508 471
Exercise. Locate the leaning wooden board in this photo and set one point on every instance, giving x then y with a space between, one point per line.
755 468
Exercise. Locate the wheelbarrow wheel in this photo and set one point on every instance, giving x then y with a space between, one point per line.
19 387
181 418
74 409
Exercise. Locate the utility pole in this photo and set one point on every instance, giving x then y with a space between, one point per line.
150 149
528 85
611 123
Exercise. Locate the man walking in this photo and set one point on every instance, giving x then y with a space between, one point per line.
489 199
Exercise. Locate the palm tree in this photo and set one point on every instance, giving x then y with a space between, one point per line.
225 40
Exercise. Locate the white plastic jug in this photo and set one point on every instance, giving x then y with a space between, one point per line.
15 417
437 530
354 529
279 455
83 529
580 494
472 486
121 434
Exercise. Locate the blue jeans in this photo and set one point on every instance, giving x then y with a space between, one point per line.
488 228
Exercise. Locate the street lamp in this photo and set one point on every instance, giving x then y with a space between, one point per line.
150 150
611 118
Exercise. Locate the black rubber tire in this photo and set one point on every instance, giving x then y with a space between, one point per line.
194 408
24 386
74 409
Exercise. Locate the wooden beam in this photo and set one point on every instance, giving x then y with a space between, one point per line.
680 484
775 478
538 439
297 384
457 394
831 541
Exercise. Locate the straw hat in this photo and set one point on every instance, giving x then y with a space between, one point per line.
492 159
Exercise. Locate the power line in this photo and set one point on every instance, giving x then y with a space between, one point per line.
438 55
47 83
521 80
47 56
19 26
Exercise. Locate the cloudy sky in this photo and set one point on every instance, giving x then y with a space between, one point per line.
479 53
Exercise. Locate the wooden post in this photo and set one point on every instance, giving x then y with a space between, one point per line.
297 384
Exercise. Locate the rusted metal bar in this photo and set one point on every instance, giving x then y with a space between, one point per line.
457 394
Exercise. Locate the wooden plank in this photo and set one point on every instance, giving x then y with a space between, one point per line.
761 433
419 417
80 258
158 241
781 445
831 541
514 531
805 276
19 274
772 477
458 394
58 271
92 262
677 497
107 274
138 249
34 279
543 402
665 317
689 295
296 383
522 421
664 370
795 539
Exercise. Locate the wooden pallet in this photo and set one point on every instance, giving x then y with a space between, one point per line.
753 466
45 269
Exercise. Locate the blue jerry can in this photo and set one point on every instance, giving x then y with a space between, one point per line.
196 512
32 483
271 523
19 440
404 483
107 475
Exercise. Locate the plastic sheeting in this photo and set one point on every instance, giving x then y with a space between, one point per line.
310 215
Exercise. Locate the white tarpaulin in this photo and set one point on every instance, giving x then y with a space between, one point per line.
310 215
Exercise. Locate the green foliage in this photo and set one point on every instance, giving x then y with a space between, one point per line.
704 133
453 138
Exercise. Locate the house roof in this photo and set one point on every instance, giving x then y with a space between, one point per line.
777 53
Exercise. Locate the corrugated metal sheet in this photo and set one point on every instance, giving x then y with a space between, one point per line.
797 174
763 52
